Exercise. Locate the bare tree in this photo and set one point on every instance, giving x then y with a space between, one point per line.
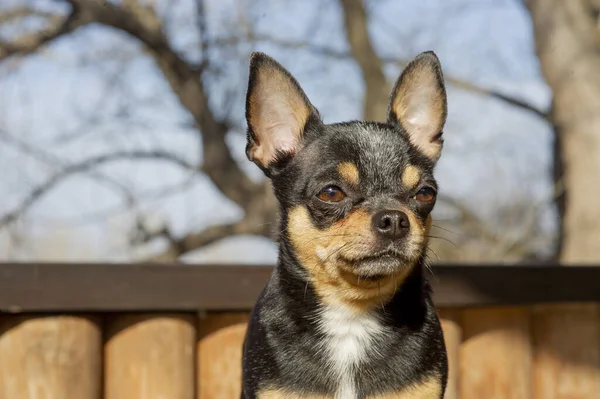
185 79
567 40
141 22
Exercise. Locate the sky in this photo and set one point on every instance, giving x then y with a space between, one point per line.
92 93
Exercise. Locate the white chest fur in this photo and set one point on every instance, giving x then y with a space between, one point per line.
350 337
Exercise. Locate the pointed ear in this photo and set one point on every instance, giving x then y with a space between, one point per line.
418 104
277 112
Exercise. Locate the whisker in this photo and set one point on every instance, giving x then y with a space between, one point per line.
336 251
437 237
380 298
263 224
436 255
340 235
305 288
453 219
325 260
319 238
445 229
444 239
428 267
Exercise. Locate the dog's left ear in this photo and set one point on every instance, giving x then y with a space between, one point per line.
277 113
418 104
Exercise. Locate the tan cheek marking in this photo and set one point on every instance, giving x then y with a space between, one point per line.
317 249
431 388
300 229
427 227
313 245
313 248
349 172
411 177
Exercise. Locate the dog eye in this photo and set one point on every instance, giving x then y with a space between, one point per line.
331 194
426 194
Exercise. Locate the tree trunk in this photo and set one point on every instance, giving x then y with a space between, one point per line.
567 43
357 33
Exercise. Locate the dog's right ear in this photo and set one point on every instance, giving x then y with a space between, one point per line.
419 105
277 112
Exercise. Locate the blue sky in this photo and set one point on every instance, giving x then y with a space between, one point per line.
93 93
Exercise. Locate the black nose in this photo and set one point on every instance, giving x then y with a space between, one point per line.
391 224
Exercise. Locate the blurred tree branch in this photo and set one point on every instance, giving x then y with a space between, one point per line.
57 26
371 65
363 52
20 13
69 170
337 54
513 239
193 241
141 22
567 45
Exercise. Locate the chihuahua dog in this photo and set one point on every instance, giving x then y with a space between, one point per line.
347 312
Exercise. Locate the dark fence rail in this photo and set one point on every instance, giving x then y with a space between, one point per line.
152 331
47 287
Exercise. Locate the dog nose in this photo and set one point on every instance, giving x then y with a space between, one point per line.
391 224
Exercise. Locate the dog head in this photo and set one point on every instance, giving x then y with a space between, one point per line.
355 197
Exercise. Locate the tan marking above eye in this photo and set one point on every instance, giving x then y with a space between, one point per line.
411 176
349 172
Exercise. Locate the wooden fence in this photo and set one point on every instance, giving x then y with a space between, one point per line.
175 332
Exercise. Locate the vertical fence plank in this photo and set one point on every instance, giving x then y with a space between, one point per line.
567 352
220 354
57 357
495 356
453 338
150 357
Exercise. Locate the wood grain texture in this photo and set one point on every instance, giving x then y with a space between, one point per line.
567 352
496 355
150 357
58 357
451 323
221 336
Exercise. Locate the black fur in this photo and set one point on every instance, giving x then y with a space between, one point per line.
282 339
281 348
